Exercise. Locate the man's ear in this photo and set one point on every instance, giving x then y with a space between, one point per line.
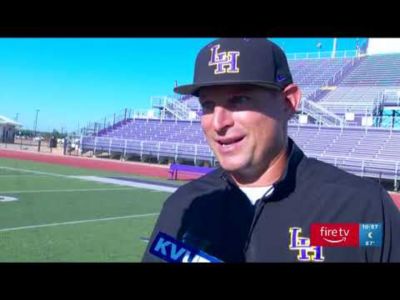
292 96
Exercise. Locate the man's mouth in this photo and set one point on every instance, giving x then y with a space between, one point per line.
229 144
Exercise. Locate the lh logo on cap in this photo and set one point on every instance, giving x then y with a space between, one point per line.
225 62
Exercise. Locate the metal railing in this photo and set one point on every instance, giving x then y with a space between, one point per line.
171 107
319 113
390 97
107 122
364 167
366 108
322 54
177 108
44 146
343 71
381 122
336 78
157 149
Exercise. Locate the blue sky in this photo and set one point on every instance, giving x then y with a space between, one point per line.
73 81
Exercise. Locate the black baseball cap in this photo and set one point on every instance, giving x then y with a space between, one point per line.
228 61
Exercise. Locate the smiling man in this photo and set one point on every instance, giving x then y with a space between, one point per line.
263 202
246 126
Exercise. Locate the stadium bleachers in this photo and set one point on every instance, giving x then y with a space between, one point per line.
316 72
356 149
375 70
309 74
360 100
366 151
360 90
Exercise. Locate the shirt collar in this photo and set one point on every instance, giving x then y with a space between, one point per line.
287 184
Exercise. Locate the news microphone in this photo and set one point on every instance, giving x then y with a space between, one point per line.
174 251
190 239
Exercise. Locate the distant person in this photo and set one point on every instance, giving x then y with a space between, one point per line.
268 198
70 145
65 145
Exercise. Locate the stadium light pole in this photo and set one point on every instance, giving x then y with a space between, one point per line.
36 119
357 47
319 46
334 47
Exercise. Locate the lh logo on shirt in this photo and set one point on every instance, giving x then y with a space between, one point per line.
306 252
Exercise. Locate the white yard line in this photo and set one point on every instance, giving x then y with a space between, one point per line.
33 171
68 190
22 175
77 222
119 182
140 185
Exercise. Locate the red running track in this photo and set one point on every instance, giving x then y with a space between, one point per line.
396 198
94 163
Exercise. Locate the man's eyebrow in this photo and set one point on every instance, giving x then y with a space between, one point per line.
238 95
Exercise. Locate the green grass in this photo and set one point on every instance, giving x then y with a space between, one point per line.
50 200
108 241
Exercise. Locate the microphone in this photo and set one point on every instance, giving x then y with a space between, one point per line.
198 243
174 251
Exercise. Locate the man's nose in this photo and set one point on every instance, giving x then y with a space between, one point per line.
222 118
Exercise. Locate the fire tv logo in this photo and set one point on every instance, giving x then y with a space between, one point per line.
335 235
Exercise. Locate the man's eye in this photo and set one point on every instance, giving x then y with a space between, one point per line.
207 106
239 100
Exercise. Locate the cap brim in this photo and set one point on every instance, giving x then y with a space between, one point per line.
193 89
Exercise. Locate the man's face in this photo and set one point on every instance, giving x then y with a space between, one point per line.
244 125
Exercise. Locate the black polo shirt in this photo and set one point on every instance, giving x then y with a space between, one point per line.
213 214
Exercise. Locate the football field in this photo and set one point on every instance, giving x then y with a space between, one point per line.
52 213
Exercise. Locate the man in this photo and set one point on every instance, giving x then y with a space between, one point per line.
261 204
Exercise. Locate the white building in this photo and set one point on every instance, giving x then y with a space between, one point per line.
8 129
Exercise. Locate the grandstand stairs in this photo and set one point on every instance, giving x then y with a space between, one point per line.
171 108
